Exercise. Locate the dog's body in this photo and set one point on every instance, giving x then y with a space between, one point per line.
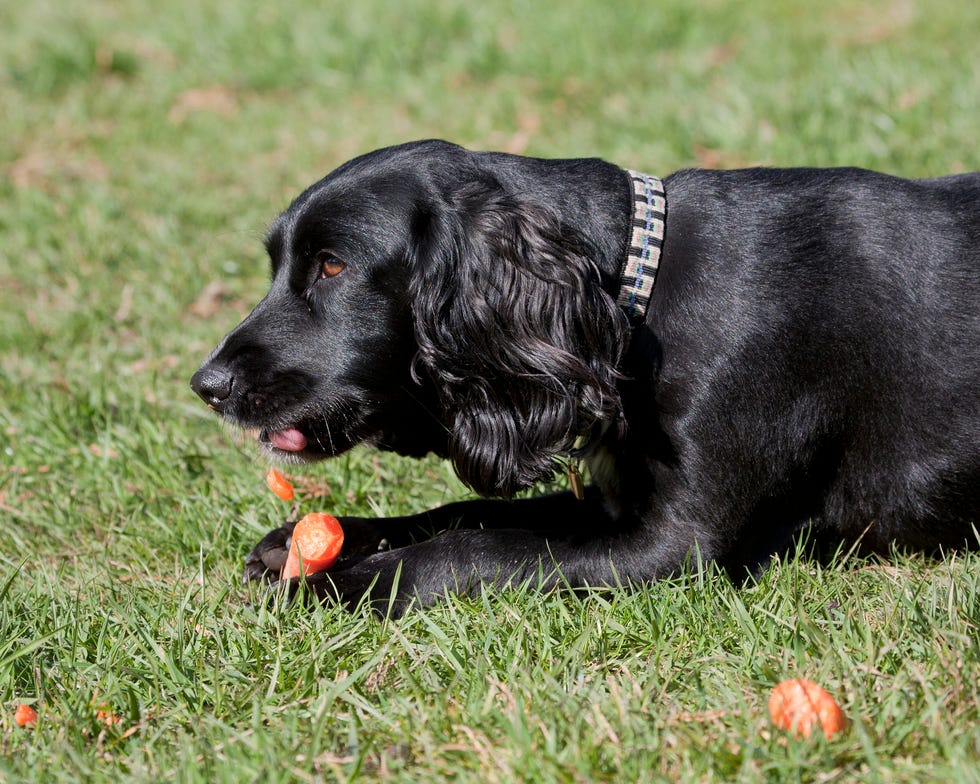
809 362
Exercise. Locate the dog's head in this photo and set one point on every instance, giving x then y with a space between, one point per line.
420 304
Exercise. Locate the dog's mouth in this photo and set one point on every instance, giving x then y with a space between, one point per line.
291 439
303 443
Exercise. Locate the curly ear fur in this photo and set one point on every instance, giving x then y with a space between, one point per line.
517 334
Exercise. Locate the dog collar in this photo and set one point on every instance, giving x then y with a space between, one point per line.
645 243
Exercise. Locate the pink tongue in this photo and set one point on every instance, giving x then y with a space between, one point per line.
290 440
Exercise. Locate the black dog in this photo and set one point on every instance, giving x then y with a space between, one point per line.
808 361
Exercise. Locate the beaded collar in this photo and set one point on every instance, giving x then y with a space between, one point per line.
645 245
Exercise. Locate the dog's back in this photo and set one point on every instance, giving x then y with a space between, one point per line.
843 305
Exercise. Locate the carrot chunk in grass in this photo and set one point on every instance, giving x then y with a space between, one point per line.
317 540
801 706
107 717
25 716
279 485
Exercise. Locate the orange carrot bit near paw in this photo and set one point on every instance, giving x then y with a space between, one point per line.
279 485
317 541
801 706
107 717
25 716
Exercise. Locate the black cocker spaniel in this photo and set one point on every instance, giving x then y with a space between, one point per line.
740 358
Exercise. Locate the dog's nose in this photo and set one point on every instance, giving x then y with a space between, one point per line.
213 384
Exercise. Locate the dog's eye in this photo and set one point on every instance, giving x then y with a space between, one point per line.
330 266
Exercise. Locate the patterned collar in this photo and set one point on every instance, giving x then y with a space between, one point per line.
646 243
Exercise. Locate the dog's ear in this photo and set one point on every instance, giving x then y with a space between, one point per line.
516 332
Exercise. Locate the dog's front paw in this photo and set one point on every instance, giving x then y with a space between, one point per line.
267 558
362 537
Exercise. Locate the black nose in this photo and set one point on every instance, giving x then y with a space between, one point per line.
213 384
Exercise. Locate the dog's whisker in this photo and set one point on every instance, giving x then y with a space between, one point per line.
319 443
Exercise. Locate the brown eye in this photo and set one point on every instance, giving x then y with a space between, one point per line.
330 266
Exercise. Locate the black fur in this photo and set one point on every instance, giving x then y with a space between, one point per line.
810 362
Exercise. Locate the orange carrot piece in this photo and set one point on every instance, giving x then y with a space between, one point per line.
25 716
107 717
317 541
279 485
801 706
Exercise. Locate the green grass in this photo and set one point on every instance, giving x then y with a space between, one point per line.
145 148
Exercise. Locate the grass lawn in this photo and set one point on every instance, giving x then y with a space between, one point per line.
144 148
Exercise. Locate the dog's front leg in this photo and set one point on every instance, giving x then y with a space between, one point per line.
468 561
559 512
362 537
